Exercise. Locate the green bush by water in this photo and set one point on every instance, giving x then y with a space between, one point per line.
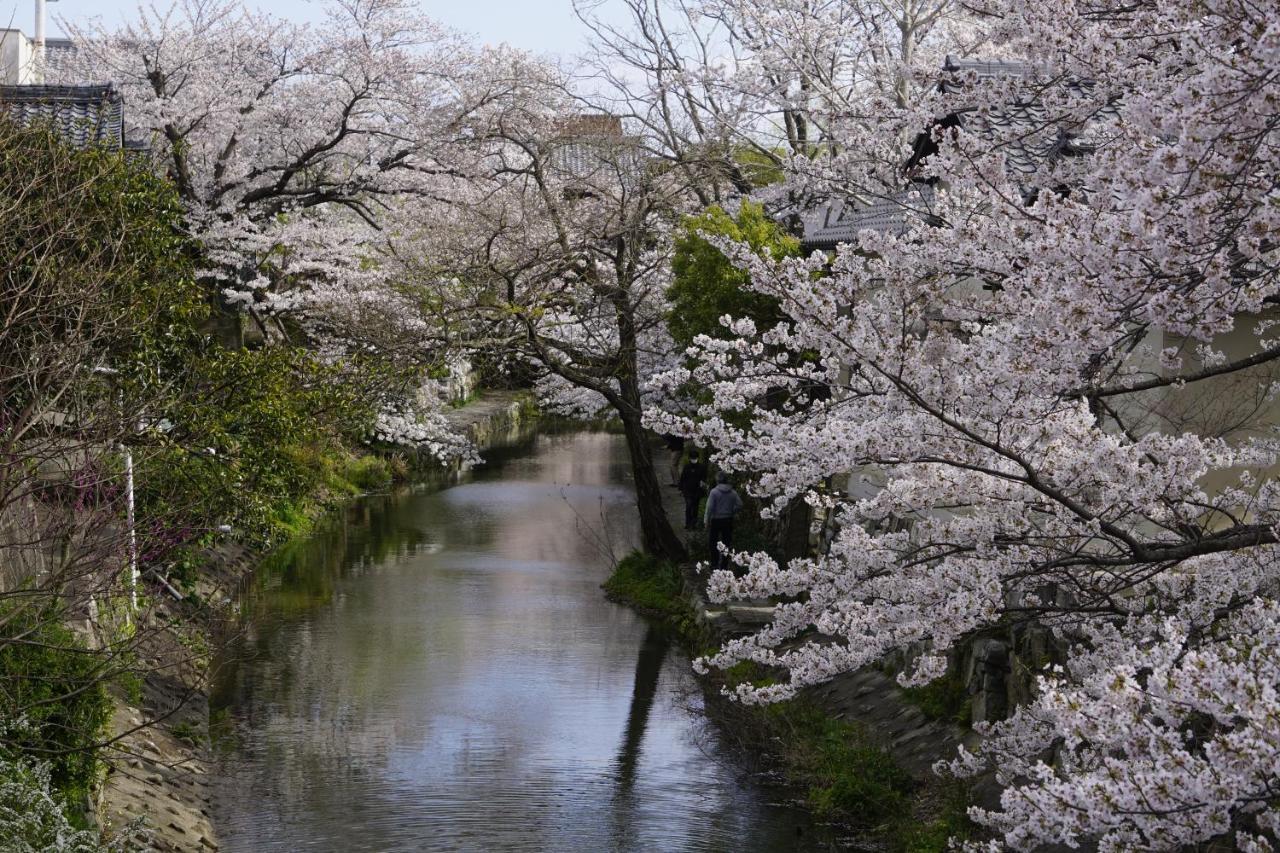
52 698
654 588
645 583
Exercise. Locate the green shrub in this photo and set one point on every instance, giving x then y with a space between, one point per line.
274 426
645 583
369 473
53 687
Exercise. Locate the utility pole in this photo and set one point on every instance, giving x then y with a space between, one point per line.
135 577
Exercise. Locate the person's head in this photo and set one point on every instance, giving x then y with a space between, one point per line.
722 477
693 456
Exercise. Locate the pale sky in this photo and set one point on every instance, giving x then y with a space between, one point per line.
544 26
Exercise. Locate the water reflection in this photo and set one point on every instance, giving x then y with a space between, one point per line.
439 671
653 650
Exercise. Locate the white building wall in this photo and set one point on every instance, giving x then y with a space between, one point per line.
17 55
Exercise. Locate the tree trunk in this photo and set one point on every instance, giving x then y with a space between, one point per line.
656 534
795 530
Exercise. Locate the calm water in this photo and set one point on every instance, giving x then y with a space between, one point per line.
440 671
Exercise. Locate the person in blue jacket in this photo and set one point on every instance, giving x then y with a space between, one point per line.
722 505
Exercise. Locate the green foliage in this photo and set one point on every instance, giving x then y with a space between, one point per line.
936 835
760 168
707 285
945 699
53 687
262 434
188 732
106 232
848 776
130 685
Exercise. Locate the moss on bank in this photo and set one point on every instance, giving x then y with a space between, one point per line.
945 699
845 774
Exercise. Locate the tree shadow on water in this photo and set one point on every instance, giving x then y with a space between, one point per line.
653 651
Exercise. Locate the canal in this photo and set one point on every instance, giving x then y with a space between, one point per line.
439 670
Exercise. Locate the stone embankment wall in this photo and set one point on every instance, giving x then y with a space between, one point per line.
160 764
494 419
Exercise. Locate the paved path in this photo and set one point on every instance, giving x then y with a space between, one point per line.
485 407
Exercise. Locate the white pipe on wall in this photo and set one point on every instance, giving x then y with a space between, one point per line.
39 39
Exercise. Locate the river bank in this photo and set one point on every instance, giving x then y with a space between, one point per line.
161 756
859 749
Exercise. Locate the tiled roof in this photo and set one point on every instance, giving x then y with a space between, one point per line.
1032 138
986 69
1030 141
83 115
840 221
593 148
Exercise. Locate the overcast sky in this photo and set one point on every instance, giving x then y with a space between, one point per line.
545 26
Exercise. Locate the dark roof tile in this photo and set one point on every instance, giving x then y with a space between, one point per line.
83 115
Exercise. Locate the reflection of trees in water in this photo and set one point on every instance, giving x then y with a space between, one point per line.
653 651
380 678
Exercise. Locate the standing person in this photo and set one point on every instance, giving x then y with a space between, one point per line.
675 444
722 505
693 485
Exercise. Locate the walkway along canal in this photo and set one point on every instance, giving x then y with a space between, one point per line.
440 671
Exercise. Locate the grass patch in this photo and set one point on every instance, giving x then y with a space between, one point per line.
655 588
647 584
945 699
935 836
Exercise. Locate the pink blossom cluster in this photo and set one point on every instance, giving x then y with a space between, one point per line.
1047 397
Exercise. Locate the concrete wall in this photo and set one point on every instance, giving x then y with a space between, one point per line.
16 58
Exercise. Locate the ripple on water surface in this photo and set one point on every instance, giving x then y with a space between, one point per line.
439 671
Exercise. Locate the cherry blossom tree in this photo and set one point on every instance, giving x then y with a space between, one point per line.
759 85
289 145
552 250
1086 243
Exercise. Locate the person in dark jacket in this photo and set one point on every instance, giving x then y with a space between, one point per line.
693 485
722 505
